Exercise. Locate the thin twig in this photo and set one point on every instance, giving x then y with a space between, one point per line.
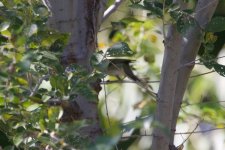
201 74
125 81
106 105
33 92
29 79
137 119
195 62
157 81
203 131
203 103
163 19
192 132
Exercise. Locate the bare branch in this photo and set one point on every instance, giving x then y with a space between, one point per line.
202 74
203 131
111 9
125 81
178 133
106 105
191 133
202 103
189 51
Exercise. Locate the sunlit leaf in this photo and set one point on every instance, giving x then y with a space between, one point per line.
220 69
4 26
6 33
42 124
18 139
119 50
33 107
22 81
54 113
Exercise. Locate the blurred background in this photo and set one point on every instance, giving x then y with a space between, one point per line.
203 104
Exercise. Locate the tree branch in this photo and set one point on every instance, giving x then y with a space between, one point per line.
178 133
189 52
111 9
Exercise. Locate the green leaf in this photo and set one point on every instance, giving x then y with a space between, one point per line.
209 64
47 140
184 23
49 55
105 142
18 139
53 81
54 113
217 24
209 47
4 127
138 6
174 11
4 26
60 83
41 10
21 81
33 107
119 50
2 101
16 23
154 7
220 69
3 39
36 99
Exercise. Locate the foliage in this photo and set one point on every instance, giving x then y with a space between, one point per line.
35 86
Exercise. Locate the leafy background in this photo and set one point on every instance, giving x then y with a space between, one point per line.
31 78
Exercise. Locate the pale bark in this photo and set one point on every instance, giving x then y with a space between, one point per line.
82 19
203 14
166 93
175 74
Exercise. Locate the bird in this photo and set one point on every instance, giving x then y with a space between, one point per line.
121 67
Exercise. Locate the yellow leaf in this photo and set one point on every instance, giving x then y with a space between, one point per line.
22 81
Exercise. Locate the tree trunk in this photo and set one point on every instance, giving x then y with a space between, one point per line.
175 74
82 19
